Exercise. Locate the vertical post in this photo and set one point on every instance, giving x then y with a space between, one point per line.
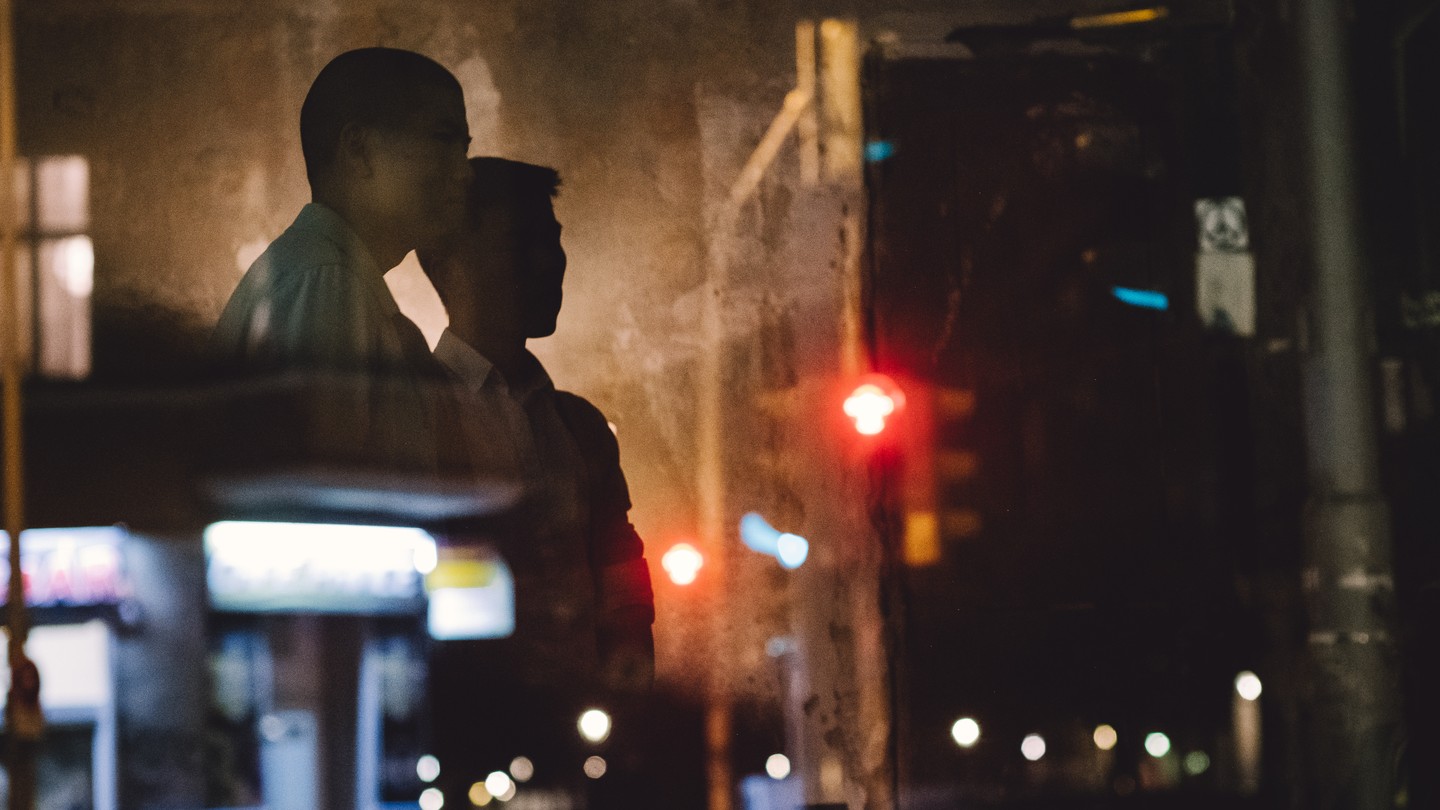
808 128
711 495
844 150
21 754
1348 566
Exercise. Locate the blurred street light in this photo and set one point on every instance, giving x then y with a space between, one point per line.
1105 737
1156 744
1248 686
777 766
594 725
966 732
427 768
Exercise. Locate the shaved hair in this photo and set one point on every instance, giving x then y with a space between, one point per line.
371 87
499 181
495 183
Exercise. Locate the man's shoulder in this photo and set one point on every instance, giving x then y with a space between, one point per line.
579 407
300 250
301 297
586 422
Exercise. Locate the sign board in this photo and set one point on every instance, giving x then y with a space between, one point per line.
1223 225
74 662
1225 292
1224 266
68 567
472 596
256 567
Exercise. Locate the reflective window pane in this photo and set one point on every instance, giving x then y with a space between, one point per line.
67 275
63 185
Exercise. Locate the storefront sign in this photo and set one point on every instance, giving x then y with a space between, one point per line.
68 567
472 596
316 568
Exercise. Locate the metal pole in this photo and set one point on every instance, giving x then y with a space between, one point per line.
23 730
1348 567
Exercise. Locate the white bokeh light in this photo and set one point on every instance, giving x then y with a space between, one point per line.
594 725
427 768
498 783
1156 744
522 769
432 799
1033 747
966 732
778 766
595 767
1248 686
1105 737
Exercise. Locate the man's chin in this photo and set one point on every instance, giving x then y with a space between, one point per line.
541 328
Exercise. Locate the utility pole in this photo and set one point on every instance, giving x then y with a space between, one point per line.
23 720
1348 579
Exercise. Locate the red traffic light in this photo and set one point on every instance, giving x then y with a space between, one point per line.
873 401
683 563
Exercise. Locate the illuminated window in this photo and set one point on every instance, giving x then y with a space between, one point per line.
56 263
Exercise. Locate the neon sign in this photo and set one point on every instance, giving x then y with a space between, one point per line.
68 567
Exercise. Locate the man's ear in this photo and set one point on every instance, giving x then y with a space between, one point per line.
356 150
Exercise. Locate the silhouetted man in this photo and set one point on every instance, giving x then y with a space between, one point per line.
580 571
384 137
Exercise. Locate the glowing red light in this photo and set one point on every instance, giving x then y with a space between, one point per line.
683 563
871 403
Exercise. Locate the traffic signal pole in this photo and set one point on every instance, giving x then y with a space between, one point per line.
1348 573
839 588
23 721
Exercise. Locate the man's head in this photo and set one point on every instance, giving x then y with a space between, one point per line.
385 129
505 265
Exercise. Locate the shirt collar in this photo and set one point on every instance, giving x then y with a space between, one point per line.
473 369
320 219
468 365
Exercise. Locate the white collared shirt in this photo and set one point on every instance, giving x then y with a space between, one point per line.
314 299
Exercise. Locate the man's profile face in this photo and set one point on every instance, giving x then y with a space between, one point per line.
541 267
514 263
420 169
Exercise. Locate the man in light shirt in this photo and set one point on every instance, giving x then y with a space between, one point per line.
385 138
584 600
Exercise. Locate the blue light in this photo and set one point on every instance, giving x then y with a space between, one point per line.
876 151
759 535
1149 299
790 549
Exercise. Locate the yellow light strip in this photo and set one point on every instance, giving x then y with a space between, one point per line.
1139 15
